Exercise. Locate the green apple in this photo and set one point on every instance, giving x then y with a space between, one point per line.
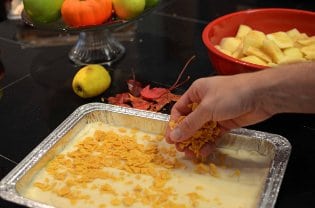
43 11
151 3
91 81
128 9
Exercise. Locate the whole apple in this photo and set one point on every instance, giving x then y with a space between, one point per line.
43 11
91 80
151 3
128 9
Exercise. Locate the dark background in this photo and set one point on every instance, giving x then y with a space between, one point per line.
36 94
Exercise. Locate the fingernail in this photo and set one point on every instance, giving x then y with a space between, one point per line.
176 135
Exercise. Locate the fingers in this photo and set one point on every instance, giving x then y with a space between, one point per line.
167 138
192 122
205 151
181 108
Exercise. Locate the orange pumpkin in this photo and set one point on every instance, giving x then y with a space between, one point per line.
78 13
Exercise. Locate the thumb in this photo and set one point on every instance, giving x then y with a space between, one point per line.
191 123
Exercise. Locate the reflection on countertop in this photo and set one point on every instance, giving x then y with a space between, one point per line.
1 68
37 74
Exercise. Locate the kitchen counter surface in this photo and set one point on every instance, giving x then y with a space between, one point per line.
36 75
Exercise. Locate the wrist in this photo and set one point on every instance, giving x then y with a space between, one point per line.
266 92
285 89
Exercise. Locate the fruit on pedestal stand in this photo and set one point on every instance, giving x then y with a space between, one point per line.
151 3
78 13
91 80
128 9
43 11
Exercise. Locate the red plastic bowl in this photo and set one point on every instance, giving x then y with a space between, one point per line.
266 20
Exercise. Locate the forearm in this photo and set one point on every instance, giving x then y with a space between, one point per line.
285 89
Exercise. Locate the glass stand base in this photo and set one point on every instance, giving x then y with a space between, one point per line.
96 47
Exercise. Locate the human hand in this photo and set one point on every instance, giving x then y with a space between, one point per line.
229 101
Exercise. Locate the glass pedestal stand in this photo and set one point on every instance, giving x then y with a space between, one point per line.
95 44
96 47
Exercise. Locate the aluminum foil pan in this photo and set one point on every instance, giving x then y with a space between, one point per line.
275 147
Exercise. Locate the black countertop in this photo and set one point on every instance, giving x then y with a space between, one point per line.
36 94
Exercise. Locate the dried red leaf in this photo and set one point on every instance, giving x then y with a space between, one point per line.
165 99
119 99
139 103
134 87
153 93
147 98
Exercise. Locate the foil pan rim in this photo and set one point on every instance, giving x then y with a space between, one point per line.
274 179
278 167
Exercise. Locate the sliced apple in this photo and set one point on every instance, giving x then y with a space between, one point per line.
257 52
282 39
309 52
230 43
254 60
254 38
242 31
272 50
